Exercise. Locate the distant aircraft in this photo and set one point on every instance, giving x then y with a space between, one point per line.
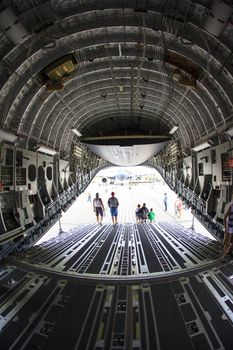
122 175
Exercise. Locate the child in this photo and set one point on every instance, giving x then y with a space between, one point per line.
151 216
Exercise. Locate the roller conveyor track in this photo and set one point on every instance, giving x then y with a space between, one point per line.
199 245
124 250
49 251
42 311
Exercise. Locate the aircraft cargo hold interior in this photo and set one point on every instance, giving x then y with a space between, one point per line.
90 85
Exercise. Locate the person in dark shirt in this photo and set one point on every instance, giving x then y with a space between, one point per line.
144 212
137 213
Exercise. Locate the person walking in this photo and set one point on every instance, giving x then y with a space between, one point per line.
178 207
113 205
98 208
228 232
165 201
137 213
151 215
144 212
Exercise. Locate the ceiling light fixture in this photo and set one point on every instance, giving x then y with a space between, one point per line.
47 150
218 17
201 146
76 132
7 136
230 132
10 24
175 127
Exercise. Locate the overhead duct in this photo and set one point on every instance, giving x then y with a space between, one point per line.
9 23
218 17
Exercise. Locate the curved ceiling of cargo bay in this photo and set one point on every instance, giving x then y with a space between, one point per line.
141 67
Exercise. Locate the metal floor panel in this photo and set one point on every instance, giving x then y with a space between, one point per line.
124 250
192 309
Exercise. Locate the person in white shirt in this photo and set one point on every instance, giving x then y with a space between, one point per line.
98 208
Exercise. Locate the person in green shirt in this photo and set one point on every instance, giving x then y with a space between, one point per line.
151 216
